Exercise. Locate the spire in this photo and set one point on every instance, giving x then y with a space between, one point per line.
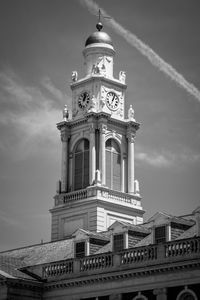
99 25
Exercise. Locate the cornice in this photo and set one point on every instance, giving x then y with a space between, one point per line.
23 283
102 78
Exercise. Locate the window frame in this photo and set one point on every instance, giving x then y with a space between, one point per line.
75 252
160 240
186 290
112 153
117 235
86 151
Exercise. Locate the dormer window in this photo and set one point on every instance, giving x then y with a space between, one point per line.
160 234
118 242
79 249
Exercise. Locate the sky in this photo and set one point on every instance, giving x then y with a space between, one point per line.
41 43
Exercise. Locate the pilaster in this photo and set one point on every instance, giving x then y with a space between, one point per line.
102 156
131 171
92 154
64 161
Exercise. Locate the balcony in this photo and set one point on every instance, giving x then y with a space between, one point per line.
148 259
102 193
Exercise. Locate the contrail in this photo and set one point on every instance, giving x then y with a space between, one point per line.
145 50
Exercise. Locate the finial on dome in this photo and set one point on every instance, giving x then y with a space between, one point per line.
99 26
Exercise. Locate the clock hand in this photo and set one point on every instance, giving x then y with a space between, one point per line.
84 97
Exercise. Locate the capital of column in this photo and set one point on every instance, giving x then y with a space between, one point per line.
92 128
102 128
131 136
64 135
161 291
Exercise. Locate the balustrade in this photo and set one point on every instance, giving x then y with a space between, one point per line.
91 191
96 262
182 247
57 269
139 255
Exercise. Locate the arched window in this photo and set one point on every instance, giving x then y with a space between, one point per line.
186 294
140 297
81 165
113 165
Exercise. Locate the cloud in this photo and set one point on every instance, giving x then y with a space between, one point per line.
166 159
27 116
47 83
156 160
145 50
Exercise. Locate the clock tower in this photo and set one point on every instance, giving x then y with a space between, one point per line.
97 185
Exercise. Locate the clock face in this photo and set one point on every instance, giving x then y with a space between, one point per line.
112 100
83 100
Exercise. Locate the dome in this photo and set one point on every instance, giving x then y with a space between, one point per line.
98 37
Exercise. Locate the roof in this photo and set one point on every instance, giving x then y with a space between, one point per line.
163 218
9 267
42 253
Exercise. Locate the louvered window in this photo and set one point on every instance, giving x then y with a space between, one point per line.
118 242
160 234
113 165
81 165
80 249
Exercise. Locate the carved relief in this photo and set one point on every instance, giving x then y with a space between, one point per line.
131 113
74 76
93 104
102 128
65 113
131 136
122 76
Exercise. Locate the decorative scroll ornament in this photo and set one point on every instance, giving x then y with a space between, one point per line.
122 76
93 104
74 76
131 137
131 114
65 113
137 187
102 128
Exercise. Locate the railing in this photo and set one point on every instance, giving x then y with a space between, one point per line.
57 269
73 196
96 262
134 257
99 191
182 247
139 255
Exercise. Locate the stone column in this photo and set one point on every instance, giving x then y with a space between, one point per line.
131 140
102 153
92 154
64 162
123 157
161 294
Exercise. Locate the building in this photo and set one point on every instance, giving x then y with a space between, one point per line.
100 246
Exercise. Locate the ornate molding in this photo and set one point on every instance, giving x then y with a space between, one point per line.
131 136
102 128
64 135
